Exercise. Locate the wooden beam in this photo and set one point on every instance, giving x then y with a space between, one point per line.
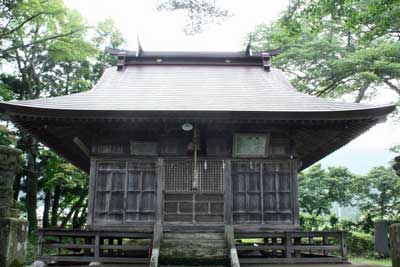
82 146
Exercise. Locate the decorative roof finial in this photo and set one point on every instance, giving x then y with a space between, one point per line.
248 48
139 51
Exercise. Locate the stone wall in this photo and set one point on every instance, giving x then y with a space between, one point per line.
13 231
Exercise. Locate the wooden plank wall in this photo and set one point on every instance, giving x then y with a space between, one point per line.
262 192
125 191
124 187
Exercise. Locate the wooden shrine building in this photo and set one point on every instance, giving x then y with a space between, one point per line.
192 150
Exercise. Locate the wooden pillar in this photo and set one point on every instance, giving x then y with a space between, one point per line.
295 191
325 242
160 181
92 183
297 241
59 240
228 197
96 247
288 245
40 244
394 235
343 245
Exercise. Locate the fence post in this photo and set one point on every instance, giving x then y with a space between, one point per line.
343 245
394 236
288 244
96 247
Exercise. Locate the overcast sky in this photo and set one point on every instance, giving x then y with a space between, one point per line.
163 31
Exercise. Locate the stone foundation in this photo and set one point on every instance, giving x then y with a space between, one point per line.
13 242
13 231
193 249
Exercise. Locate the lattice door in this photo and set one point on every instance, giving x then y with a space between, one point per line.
125 191
262 192
187 199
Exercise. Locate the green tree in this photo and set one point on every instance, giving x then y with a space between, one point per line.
319 189
65 192
47 46
332 48
199 13
378 193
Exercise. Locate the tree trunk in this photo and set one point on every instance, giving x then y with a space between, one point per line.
31 180
46 210
75 218
55 206
394 236
76 207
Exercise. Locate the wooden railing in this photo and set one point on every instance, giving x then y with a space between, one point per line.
291 247
94 246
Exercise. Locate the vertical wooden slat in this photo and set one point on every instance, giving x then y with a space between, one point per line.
96 247
288 245
277 199
297 241
228 196
295 198
125 204
193 207
159 196
59 240
343 245
262 191
139 194
246 190
325 242
92 185
40 244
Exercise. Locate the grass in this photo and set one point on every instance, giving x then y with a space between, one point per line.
378 262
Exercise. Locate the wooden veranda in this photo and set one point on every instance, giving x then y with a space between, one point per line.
142 248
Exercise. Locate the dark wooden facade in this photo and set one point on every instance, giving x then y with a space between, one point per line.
254 191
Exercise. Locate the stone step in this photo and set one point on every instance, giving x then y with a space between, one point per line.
193 248
194 236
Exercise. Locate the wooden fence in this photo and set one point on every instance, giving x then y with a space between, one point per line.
86 246
287 247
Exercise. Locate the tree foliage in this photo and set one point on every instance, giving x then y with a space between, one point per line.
378 193
320 188
48 50
334 48
199 13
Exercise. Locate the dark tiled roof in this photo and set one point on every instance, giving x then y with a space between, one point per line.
192 88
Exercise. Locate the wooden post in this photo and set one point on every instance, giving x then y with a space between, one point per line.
96 247
297 241
86 251
295 194
120 244
92 184
325 242
155 252
160 181
40 244
394 236
288 244
230 240
274 242
343 245
110 242
228 198
59 240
